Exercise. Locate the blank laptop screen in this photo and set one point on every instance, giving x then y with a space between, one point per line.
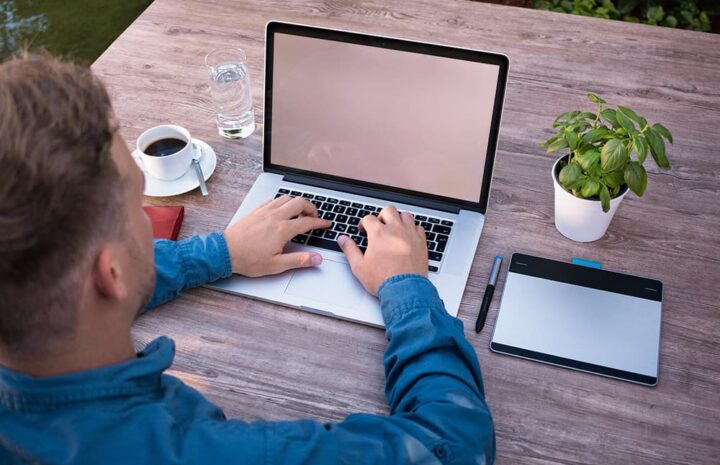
390 117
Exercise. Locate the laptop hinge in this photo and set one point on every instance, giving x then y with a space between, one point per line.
370 192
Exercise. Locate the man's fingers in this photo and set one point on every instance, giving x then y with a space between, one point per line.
407 218
304 224
282 200
351 250
369 222
389 215
295 206
289 261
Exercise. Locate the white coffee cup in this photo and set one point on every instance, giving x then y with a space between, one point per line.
166 167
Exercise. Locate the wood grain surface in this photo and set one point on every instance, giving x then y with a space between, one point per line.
260 360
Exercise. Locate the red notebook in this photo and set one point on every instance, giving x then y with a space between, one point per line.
166 221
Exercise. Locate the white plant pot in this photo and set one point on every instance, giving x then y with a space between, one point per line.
582 220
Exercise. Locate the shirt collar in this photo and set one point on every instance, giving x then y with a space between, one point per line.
142 374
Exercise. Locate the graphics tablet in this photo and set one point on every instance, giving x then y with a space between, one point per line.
582 318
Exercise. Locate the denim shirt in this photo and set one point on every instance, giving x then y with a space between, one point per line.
132 413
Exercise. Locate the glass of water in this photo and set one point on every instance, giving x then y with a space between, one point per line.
230 88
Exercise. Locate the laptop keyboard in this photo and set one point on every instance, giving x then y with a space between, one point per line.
346 216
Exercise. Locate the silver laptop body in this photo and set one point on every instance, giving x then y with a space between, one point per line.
355 122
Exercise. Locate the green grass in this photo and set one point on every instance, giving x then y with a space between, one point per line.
77 29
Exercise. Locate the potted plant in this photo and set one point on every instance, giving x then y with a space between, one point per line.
606 152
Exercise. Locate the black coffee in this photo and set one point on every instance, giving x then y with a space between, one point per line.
165 147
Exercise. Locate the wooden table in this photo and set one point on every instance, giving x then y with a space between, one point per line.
260 360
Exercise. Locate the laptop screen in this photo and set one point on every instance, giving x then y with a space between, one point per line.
414 121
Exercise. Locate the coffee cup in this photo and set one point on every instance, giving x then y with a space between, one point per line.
167 151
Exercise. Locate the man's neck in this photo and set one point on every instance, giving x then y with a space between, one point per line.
70 357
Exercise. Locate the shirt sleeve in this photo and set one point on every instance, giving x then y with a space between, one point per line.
188 263
434 391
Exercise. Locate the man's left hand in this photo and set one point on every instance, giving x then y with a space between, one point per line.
256 241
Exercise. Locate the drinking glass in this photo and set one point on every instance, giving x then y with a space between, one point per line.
230 89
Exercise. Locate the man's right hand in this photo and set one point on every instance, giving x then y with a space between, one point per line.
396 245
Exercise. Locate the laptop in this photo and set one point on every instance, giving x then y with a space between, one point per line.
354 122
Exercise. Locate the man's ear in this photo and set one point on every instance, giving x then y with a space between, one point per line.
108 275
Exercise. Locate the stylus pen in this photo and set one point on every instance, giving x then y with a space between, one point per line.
487 298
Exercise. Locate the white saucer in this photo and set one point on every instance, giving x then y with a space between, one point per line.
155 187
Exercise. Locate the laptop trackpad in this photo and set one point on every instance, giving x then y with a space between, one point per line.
330 283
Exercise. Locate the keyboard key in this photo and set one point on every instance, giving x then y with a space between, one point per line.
341 219
317 232
435 256
365 213
329 216
278 195
345 202
421 217
340 227
330 234
363 249
358 205
429 236
358 240
317 203
426 226
441 229
339 209
364 242
320 198
351 211
371 208
441 238
354 221
440 247
431 246
331 200
295 193
284 191
433 268
300 238
352 230
327 206
308 196
446 223
324 243
434 220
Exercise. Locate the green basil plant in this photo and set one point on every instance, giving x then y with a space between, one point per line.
606 150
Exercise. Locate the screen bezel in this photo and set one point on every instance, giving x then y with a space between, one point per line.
499 60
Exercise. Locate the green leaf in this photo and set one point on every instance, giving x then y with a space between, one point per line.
557 145
595 99
572 139
595 135
614 179
609 115
625 122
613 156
641 147
657 148
604 198
632 115
636 178
554 138
587 159
586 115
569 175
590 188
663 131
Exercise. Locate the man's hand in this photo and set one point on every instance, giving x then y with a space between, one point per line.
395 246
256 242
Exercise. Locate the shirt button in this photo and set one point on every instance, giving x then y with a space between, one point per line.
439 451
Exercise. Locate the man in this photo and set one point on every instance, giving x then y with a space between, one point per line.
77 267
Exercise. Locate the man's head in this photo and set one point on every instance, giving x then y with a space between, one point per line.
75 245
